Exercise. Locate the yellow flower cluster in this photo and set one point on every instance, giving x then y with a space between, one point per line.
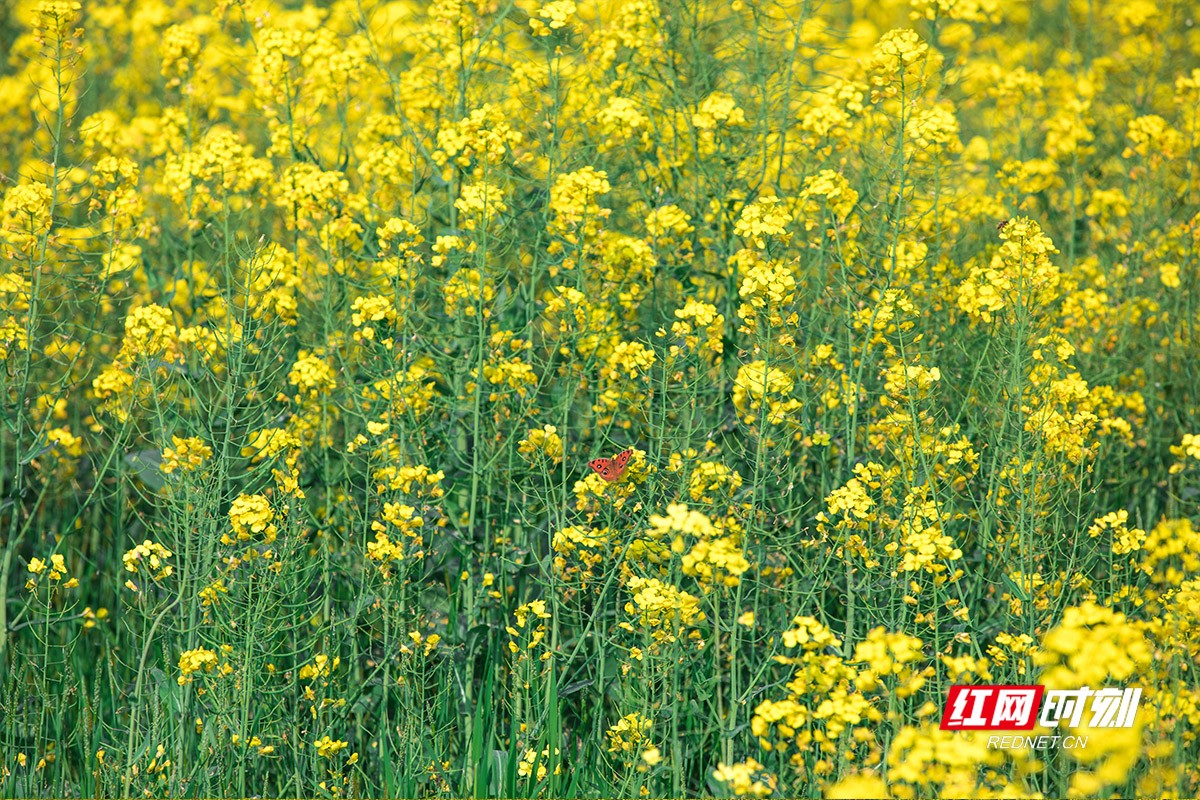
328 748
415 481
543 441
662 609
580 553
1019 278
369 312
1125 540
574 199
321 666
758 387
185 455
251 515
1091 646
1188 448
468 293
533 763
482 138
532 631
630 734
700 328
746 779
56 570
768 291
924 545
312 376
398 519
192 661
717 117
480 203
827 191
552 16
150 556
712 479
765 217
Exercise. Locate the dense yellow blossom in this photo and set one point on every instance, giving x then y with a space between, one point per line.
314 316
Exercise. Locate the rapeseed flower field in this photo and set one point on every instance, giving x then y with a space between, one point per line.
880 321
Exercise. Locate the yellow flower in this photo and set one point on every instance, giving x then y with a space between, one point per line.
149 555
480 203
630 733
756 383
1092 646
185 454
533 763
1188 448
543 441
368 312
251 514
58 567
662 609
679 519
327 747
321 667
901 59
25 215
312 376
573 199
1125 540
151 333
485 135
1019 275
717 110
717 561
768 290
467 292
192 661
765 217
746 778
699 327
556 13
833 190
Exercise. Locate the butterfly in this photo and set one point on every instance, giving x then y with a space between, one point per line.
611 468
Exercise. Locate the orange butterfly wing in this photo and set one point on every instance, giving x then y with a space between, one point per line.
620 460
611 468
